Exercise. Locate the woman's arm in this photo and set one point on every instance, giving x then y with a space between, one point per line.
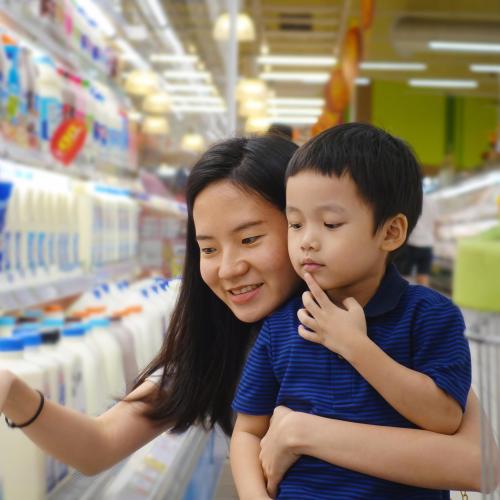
409 456
116 433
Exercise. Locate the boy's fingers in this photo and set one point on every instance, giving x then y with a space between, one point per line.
320 296
308 335
310 304
351 304
305 319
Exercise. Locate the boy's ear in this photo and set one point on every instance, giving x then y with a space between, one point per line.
394 233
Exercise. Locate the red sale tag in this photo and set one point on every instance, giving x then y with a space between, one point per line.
68 140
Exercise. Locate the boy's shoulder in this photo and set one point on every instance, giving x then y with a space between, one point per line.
285 312
426 303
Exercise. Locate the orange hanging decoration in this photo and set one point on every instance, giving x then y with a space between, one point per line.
367 12
337 92
351 55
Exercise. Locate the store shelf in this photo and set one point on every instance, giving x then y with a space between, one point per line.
31 296
172 466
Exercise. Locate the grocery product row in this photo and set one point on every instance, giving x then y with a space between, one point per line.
85 358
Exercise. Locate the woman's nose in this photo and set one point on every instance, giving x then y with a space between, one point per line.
232 266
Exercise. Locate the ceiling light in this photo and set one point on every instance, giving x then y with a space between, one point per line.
297 60
296 120
157 103
485 68
180 75
250 88
196 99
186 108
362 81
296 111
295 101
434 83
464 46
193 142
173 58
257 124
129 53
202 88
252 107
393 66
134 116
95 13
155 125
245 29
140 82
264 49
285 76
158 14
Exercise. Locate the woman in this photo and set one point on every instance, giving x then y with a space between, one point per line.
237 272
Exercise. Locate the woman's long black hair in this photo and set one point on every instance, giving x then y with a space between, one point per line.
205 346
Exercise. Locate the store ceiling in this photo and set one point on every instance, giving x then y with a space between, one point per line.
313 27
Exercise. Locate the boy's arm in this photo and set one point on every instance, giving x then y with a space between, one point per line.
244 455
413 394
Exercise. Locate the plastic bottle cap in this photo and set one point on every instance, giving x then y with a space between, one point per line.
30 339
95 310
53 308
74 331
10 344
99 323
26 328
50 337
7 321
53 322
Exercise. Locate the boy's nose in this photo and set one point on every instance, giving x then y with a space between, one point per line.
309 243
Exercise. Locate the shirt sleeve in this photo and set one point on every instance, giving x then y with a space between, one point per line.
441 350
258 387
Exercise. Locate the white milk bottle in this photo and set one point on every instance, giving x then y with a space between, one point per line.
133 319
74 339
32 353
127 343
18 455
72 366
112 354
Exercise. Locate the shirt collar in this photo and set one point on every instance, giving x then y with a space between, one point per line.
388 294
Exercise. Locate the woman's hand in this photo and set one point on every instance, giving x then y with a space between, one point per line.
275 456
6 379
322 322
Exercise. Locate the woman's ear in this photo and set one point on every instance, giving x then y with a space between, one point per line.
394 233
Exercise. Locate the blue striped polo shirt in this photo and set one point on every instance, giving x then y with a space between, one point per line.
416 326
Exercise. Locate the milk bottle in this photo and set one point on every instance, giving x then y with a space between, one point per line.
74 339
6 325
113 362
127 344
22 455
32 342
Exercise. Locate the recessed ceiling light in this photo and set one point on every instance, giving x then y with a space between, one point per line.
435 83
485 68
464 46
303 77
393 66
173 58
290 60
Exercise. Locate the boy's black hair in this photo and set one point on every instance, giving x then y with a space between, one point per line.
384 168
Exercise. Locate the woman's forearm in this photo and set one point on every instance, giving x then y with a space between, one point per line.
409 456
88 444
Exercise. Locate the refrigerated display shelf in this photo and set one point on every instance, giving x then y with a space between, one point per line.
167 467
30 296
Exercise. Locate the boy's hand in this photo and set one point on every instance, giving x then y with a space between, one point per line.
325 323
275 456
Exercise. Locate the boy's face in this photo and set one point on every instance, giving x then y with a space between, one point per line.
331 234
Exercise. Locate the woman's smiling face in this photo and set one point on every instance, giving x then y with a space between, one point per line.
243 250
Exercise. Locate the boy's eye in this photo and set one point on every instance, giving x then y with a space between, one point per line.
292 225
332 226
250 240
207 250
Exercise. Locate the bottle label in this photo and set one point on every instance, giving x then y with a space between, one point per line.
32 251
78 393
41 250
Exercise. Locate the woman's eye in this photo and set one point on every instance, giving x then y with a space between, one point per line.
250 240
332 226
207 250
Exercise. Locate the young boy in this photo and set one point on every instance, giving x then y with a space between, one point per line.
354 193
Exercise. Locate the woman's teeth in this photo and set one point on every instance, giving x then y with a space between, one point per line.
245 289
